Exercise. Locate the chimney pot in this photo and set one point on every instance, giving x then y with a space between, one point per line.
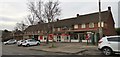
109 8
57 19
78 15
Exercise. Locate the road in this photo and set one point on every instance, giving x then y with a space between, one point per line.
15 50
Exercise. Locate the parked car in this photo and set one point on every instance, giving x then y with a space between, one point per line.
109 45
30 42
11 41
19 43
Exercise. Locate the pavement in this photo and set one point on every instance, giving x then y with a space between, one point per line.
68 48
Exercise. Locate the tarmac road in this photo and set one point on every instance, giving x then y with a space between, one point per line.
15 50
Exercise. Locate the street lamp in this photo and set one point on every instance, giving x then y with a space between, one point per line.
100 28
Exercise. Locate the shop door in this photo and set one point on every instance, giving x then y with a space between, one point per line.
81 36
58 39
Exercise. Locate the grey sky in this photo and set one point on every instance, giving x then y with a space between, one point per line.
13 11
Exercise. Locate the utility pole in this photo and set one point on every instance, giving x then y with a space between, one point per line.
100 21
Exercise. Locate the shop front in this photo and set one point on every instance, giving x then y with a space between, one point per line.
84 36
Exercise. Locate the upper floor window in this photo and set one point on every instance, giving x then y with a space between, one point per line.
91 25
83 26
75 26
102 24
53 29
58 29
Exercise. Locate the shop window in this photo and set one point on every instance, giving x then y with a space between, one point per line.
74 37
45 38
83 37
67 38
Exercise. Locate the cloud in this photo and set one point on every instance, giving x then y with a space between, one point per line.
7 25
5 19
73 8
12 11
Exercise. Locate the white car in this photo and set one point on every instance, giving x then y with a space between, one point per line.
109 45
30 42
11 41
19 43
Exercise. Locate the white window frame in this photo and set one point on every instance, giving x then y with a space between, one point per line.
83 25
102 24
58 29
75 26
91 25
53 29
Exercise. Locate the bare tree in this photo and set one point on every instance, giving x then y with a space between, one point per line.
44 12
36 9
51 11
20 26
30 19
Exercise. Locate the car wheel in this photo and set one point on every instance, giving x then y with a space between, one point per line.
20 45
38 44
107 51
27 45
14 43
6 43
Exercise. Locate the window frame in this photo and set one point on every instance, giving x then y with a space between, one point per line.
91 25
58 29
83 25
76 26
102 24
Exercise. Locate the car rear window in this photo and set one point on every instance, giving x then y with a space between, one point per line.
114 39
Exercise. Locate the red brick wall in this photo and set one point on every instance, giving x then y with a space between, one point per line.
110 28
87 27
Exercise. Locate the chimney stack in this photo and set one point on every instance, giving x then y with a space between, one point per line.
109 8
57 19
78 15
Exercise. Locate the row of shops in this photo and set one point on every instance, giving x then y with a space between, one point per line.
69 37
76 29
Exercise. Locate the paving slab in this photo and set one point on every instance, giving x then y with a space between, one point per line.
69 48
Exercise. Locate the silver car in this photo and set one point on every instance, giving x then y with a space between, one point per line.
19 43
11 41
30 42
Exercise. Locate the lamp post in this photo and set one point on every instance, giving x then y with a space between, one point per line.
100 21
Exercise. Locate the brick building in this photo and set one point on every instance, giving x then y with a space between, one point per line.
75 29
18 35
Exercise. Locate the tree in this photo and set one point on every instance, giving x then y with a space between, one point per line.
118 31
20 26
43 12
51 11
31 19
6 35
36 11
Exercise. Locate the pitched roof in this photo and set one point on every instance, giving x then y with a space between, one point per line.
37 27
18 32
93 17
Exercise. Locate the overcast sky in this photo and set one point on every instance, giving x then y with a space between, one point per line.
13 11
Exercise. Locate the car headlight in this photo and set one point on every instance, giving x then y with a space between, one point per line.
4 42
